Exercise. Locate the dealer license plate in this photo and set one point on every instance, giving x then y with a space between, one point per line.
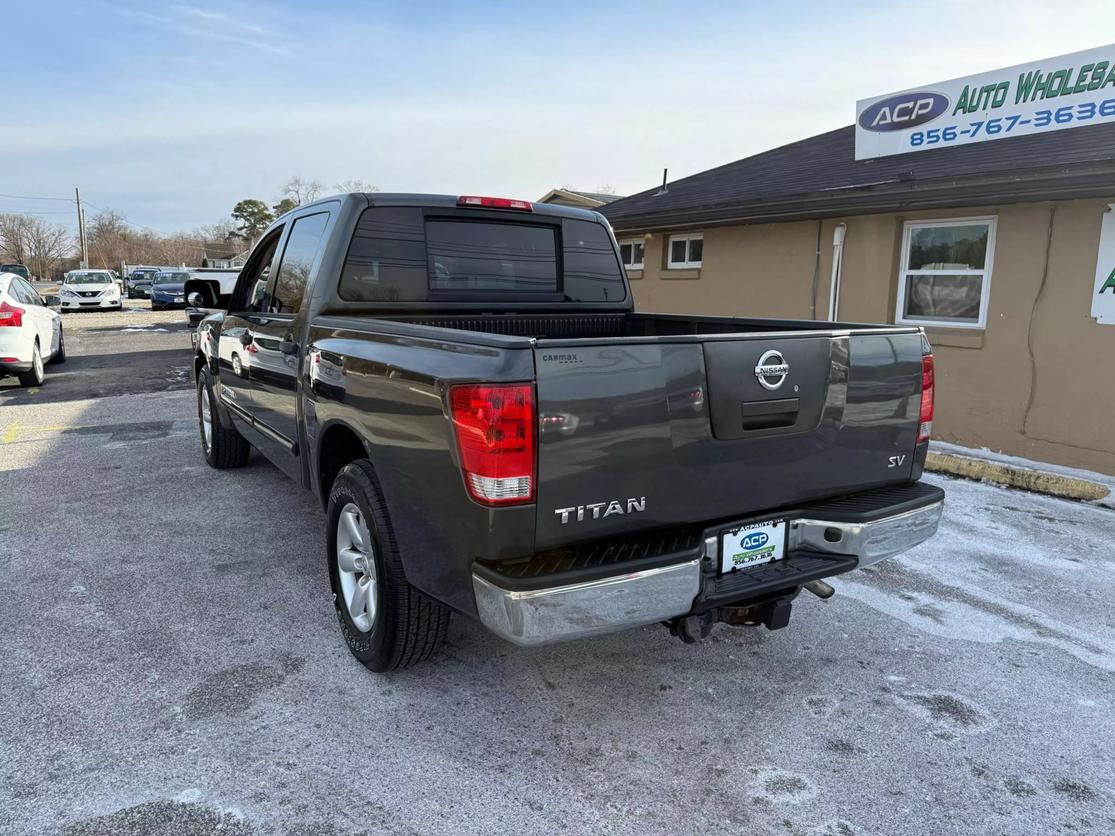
752 545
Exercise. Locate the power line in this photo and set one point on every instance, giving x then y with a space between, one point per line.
35 212
37 197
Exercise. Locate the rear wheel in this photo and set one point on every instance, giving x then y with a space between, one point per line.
223 446
35 375
386 622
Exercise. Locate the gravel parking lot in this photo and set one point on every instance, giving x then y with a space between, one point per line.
172 663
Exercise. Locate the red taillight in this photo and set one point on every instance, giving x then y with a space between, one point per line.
495 203
925 419
495 437
11 315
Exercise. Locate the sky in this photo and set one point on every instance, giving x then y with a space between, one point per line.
172 112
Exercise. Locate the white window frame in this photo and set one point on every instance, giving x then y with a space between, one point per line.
985 273
687 264
633 242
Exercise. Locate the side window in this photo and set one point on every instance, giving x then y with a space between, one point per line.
251 286
25 292
298 259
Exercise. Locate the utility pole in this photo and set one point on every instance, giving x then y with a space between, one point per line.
81 229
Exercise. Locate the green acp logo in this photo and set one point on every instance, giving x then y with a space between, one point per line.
1109 284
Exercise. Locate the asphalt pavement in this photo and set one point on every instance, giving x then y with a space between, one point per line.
171 664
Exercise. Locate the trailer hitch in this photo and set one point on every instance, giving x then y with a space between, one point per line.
774 615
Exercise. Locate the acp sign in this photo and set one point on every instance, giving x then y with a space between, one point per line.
906 110
1103 297
1068 91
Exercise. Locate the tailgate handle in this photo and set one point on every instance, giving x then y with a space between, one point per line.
769 415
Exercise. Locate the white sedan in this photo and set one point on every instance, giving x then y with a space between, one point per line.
90 290
30 332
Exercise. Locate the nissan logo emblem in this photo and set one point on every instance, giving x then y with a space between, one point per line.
772 370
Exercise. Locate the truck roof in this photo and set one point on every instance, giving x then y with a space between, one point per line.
448 202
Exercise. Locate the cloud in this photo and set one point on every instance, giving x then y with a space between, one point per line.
214 27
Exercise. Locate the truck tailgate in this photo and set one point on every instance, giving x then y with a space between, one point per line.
638 434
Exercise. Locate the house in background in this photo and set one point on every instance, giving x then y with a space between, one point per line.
992 247
222 256
581 200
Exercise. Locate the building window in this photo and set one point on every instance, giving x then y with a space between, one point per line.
946 272
631 253
685 250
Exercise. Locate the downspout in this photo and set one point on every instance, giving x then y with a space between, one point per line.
816 271
837 264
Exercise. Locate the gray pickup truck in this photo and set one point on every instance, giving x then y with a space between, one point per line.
493 430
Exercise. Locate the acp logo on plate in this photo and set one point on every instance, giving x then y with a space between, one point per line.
755 541
906 110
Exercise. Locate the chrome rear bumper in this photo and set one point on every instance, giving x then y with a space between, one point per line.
635 598
870 541
542 616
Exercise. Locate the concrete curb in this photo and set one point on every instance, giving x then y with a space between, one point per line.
1012 476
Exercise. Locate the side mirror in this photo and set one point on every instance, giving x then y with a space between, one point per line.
194 300
52 301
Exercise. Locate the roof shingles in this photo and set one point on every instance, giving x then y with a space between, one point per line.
814 168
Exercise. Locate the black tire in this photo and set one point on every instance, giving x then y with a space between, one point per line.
409 625
60 355
35 375
225 448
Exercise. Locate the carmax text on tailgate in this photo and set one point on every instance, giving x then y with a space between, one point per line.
611 507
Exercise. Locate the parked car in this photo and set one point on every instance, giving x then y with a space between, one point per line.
139 282
30 331
89 290
167 289
18 269
714 467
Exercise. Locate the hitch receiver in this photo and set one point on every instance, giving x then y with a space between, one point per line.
774 615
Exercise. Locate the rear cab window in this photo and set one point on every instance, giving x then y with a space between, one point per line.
412 254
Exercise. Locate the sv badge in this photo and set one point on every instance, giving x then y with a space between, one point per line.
896 461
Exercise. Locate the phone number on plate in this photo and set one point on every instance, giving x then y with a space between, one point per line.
1005 124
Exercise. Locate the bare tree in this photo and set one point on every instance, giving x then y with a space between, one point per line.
47 244
31 241
13 237
301 191
606 188
173 250
220 231
355 185
112 241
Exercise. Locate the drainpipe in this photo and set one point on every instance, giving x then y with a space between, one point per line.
837 263
816 271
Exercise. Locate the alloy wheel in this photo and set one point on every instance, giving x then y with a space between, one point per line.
206 419
356 567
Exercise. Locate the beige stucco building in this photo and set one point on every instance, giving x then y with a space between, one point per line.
995 258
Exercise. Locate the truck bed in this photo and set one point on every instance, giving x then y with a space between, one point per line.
623 325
